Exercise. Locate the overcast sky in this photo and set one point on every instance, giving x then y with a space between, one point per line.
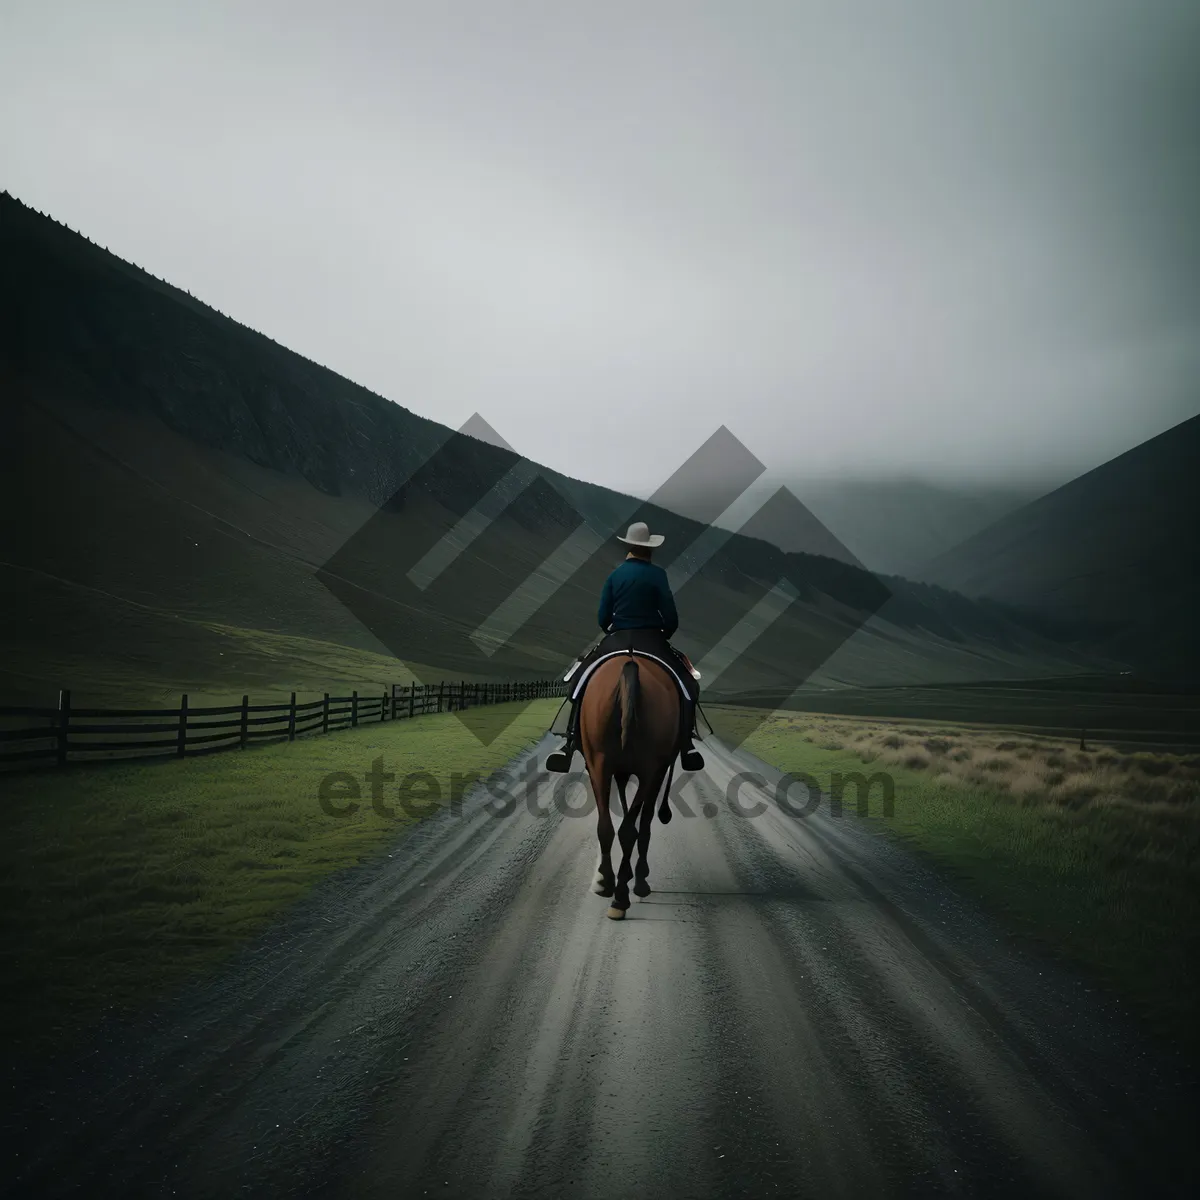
950 239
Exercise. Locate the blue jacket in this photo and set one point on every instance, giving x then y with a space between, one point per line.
637 596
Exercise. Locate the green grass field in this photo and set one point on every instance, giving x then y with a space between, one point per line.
119 882
1097 860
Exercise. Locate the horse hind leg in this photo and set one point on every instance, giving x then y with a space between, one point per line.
641 884
605 877
606 884
627 835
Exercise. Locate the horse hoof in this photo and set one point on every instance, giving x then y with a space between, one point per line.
604 889
641 888
616 914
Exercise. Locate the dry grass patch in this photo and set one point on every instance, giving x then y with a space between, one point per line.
1032 768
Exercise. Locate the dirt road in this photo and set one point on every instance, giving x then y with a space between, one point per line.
800 1009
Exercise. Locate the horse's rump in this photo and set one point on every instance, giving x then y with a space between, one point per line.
630 711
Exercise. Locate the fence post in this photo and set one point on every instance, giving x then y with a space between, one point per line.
292 719
383 708
441 693
181 737
354 709
64 720
245 721
412 698
325 714
393 701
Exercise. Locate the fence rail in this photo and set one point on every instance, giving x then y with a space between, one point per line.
32 737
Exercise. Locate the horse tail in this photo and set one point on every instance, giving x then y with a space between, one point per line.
628 690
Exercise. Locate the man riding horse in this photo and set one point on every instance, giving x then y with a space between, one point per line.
637 614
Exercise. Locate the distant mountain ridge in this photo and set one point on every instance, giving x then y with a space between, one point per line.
895 526
1114 553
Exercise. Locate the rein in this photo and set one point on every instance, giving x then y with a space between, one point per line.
664 809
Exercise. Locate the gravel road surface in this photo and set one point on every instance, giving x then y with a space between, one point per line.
800 1008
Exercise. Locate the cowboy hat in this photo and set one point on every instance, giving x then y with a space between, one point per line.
638 534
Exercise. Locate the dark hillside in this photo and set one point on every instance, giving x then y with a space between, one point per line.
114 335
1114 554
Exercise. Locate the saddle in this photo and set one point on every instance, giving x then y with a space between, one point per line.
581 677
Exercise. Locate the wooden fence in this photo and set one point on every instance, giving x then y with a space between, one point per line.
41 737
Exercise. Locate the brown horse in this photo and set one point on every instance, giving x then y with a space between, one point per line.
628 725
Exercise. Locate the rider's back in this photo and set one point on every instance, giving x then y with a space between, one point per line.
637 595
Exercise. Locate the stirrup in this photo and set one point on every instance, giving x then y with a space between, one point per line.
559 761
